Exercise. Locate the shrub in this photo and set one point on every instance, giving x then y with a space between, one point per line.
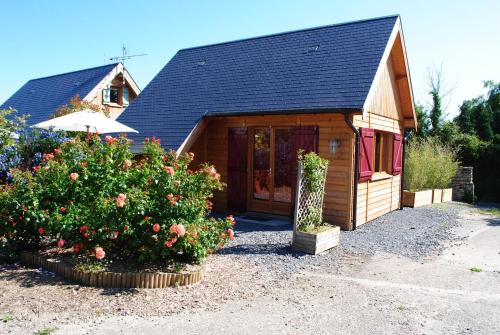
429 164
95 198
314 174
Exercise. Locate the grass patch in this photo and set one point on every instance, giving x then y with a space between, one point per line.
474 269
491 211
317 229
90 267
46 331
7 318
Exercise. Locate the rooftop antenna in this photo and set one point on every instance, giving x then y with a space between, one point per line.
125 56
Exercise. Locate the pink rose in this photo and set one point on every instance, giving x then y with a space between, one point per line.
230 233
36 168
178 229
60 243
57 151
99 253
47 157
230 218
120 200
127 163
41 231
110 139
156 228
170 170
73 176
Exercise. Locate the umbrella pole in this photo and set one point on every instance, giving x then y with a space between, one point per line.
88 134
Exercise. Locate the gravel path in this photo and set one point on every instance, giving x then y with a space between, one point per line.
258 264
413 233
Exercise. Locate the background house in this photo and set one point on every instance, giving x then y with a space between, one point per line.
246 106
109 85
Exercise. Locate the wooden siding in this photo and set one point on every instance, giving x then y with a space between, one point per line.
382 194
213 145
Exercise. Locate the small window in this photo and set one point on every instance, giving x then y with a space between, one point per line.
382 152
125 100
114 96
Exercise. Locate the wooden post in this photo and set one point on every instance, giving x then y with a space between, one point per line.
297 196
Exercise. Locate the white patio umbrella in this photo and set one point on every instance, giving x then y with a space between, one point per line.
86 120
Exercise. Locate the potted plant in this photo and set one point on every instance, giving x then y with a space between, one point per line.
311 234
429 168
416 191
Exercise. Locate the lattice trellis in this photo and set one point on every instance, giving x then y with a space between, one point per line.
305 200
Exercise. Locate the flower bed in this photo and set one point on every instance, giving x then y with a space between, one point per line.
115 279
96 200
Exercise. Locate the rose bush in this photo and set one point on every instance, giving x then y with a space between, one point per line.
95 199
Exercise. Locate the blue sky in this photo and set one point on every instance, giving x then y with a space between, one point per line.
41 38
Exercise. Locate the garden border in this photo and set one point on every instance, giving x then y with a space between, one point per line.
108 279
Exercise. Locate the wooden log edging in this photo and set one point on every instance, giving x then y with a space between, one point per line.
107 279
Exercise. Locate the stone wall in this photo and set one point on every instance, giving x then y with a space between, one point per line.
462 183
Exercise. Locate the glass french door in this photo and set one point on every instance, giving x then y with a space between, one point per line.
271 163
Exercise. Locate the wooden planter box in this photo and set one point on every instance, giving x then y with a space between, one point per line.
315 243
417 199
447 195
437 194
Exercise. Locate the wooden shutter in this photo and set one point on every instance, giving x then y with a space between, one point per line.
397 154
106 94
125 94
237 169
367 139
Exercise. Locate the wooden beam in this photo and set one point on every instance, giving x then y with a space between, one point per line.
193 135
409 123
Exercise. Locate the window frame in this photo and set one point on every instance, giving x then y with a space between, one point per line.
382 154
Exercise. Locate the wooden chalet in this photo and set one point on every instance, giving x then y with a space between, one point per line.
247 106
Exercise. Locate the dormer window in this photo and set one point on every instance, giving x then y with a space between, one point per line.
114 95
111 94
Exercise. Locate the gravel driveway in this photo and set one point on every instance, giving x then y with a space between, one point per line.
258 284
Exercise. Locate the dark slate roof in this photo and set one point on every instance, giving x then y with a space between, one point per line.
324 68
41 97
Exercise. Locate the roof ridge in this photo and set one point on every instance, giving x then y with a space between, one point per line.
76 71
293 31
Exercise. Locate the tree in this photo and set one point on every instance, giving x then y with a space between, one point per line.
481 115
76 104
494 103
10 126
438 90
423 122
